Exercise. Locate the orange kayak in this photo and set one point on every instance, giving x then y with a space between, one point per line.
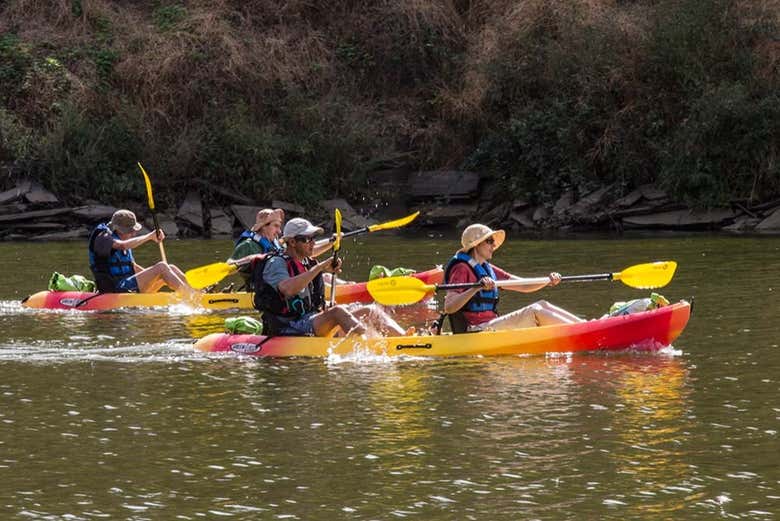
84 301
649 330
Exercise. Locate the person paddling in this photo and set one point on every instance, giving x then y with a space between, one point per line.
262 238
476 309
111 260
290 291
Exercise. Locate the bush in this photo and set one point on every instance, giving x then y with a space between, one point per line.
88 157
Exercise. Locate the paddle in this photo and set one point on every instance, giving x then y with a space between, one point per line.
336 248
396 291
154 212
389 225
210 274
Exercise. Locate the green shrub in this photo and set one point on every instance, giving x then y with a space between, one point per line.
15 61
166 17
89 157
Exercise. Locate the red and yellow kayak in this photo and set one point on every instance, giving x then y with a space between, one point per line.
649 330
84 301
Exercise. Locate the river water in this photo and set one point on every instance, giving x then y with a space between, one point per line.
114 416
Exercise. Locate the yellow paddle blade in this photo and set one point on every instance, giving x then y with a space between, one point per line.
398 291
393 224
148 187
337 243
647 276
210 274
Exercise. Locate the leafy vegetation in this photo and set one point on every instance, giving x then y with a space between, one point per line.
298 100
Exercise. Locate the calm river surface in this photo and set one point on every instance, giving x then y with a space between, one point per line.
114 416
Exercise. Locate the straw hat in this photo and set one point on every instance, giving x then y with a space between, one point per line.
267 215
476 233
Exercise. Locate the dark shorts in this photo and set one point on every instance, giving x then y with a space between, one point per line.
303 326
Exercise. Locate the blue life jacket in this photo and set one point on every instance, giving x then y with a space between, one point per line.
267 246
482 301
109 270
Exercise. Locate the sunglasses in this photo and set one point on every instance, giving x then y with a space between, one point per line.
490 240
304 238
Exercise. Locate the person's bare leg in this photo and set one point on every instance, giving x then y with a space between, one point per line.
550 314
336 316
154 277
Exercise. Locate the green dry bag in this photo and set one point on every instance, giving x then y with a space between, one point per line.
243 325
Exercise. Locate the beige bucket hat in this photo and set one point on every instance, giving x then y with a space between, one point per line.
476 233
124 221
268 215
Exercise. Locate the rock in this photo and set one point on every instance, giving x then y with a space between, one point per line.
651 193
497 215
445 184
37 226
519 204
522 219
39 195
24 216
356 221
629 200
246 215
771 223
228 193
563 203
289 208
742 224
167 225
681 219
540 214
78 233
446 214
95 213
590 202
331 204
221 224
191 210
13 208
21 188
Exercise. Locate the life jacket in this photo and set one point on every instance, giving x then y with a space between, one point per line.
266 245
276 308
484 300
109 270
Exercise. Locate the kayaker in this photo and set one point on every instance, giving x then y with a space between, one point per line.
111 259
261 238
475 309
290 291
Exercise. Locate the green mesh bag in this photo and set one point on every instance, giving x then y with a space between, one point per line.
378 272
243 325
59 282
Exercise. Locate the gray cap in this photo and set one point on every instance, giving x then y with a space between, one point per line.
300 226
124 221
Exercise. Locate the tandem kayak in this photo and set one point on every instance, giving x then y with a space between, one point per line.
85 301
649 330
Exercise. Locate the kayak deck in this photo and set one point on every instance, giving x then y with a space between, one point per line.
649 330
85 301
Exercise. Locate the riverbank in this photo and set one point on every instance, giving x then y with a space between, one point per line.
445 199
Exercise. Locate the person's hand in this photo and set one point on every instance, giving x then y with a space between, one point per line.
157 236
328 266
487 283
555 279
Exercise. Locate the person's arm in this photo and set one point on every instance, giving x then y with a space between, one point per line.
321 247
294 285
456 299
135 242
555 278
